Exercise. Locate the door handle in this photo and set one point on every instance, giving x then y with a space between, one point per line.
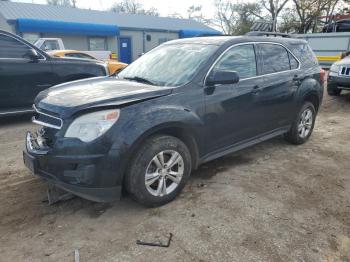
256 89
297 79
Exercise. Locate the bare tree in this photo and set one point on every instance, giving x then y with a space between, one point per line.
235 18
175 15
274 7
309 11
133 7
194 12
67 3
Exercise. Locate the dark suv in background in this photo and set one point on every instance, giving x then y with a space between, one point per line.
25 71
184 103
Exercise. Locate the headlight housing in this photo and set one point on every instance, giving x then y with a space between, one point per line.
90 126
335 68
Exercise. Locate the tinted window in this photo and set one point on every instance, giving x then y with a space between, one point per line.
240 59
275 58
50 45
294 64
12 48
305 55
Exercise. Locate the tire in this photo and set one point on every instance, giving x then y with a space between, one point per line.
148 160
333 91
296 135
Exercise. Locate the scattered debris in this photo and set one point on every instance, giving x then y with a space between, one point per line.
155 244
76 255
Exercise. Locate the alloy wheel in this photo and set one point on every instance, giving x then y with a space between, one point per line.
164 173
305 123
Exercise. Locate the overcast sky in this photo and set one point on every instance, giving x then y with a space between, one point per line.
164 7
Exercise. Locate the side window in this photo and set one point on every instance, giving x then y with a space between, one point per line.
240 59
50 45
12 48
275 58
294 64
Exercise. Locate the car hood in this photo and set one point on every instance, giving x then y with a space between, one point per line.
344 61
69 98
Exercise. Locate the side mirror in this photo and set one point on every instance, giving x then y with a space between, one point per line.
222 78
32 54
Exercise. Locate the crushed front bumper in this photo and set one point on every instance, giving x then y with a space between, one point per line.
84 175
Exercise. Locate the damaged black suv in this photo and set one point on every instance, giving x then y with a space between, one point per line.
184 103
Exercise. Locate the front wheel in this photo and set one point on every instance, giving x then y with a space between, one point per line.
158 171
303 125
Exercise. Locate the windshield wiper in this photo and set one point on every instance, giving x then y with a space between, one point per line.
141 80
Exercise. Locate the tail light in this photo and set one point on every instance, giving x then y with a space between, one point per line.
113 56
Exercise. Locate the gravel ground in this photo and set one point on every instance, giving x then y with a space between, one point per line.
271 202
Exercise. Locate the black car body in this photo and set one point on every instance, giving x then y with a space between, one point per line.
339 77
212 113
337 26
25 71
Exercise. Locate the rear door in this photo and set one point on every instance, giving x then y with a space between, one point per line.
21 78
280 70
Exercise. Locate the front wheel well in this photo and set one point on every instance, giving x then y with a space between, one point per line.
178 132
314 99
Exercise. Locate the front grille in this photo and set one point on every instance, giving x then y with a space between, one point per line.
344 71
46 119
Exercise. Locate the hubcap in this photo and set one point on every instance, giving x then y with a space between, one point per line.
164 173
305 123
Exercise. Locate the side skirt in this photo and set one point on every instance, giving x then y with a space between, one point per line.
244 144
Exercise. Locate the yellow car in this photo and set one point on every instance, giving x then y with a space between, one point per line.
113 65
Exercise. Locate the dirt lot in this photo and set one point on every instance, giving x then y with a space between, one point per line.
271 202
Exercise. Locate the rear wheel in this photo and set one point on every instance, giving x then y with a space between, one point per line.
303 125
158 171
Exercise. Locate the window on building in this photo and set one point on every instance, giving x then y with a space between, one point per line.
31 37
275 58
12 48
97 44
240 59
163 40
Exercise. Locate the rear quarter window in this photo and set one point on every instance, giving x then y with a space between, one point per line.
275 58
305 55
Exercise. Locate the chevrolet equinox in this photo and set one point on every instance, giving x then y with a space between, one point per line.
184 103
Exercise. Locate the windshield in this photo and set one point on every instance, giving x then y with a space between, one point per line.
168 65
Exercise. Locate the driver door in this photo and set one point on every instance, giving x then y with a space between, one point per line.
21 78
232 114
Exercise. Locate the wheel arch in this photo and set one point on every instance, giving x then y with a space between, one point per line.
178 130
313 98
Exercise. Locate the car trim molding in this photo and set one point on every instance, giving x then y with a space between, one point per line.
35 121
253 43
17 39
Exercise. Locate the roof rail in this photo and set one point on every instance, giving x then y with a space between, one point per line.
261 33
